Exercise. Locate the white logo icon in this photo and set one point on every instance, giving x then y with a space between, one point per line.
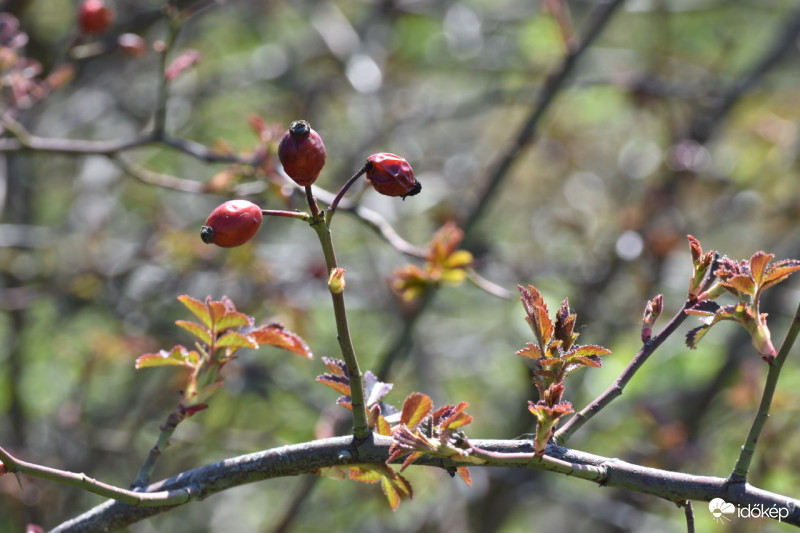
719 508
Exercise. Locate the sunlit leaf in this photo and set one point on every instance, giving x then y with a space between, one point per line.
537 313
779 272
590 350
463 472
196 329
415 408
338 383
693 337
452 416
459 259
758 265
234 339
382 426
178 356
198 308
374 389
233 319
531 351
740 282
275 334
336 366
364 474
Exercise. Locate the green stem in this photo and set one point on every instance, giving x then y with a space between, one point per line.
146 471
360 424
145 499
739 474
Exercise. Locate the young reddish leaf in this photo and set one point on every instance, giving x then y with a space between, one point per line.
693 337
565 324
758 265
694 246
531 351
452 416
275 334
444 242
196 329
198 308
779 272
234 339
345 401
463 472
338 383
415 408
178 356
336 366
537 318
740 282
184 61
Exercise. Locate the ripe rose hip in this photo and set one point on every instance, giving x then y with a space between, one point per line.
94 17
302 153
391 175
232 224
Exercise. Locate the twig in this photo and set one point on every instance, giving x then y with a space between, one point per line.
312 456
689 514
162 498
739 473
167 429
580 418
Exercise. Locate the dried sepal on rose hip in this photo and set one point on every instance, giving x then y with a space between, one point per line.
232 224
302 153
391 175
94 16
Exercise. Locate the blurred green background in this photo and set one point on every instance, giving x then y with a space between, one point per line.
638 149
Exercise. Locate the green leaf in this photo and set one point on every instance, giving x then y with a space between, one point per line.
234 339
198 308
197 330
233 319
178 356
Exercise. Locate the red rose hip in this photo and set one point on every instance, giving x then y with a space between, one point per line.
232 224
391 175
302 153
94 16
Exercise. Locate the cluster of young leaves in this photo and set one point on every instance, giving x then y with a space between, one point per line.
221 332
444 263
416 430
555 356
746 280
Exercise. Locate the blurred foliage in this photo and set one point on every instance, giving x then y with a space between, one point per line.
596 210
